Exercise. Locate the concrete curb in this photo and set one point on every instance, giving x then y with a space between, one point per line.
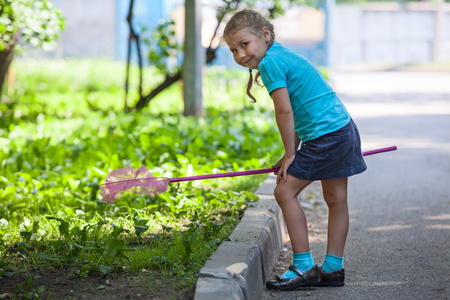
239 268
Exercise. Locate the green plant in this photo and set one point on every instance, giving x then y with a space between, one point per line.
163 46
26 291
52 163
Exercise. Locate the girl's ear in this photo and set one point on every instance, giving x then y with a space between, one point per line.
266 33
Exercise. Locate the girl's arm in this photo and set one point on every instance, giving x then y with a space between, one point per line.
285 123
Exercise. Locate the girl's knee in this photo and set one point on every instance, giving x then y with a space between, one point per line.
281 195
335 193
278 194
286 192
336 199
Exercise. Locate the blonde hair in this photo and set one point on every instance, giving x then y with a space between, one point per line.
254 22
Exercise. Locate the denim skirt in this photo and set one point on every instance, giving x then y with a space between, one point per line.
333 155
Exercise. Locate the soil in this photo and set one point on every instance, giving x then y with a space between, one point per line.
59 285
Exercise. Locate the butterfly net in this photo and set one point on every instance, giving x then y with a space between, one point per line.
139 181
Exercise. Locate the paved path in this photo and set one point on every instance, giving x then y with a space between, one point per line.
399 239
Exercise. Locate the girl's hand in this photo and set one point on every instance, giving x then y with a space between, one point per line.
278 165
287 162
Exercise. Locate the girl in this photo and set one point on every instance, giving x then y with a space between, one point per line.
309 113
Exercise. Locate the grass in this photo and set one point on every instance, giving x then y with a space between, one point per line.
62 130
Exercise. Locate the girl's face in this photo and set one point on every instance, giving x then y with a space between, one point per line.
247 47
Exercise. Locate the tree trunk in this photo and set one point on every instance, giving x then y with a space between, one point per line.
6 56
193 59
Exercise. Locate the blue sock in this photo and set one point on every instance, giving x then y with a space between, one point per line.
332 263
303 261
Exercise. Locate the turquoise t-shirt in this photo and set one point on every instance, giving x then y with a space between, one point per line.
316 107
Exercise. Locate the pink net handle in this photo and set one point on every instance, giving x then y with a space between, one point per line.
229 174
381 150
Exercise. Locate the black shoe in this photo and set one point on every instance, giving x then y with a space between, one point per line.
335 278
307 278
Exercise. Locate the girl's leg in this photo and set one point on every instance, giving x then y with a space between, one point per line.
335 195
303 272
286 194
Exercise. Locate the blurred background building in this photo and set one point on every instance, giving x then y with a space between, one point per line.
389 33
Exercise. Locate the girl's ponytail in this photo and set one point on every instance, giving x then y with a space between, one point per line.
249 86
250 83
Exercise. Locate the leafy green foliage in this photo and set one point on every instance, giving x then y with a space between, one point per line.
37 21
164 48
54 154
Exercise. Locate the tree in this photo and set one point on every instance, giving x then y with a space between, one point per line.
224 8
35 23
